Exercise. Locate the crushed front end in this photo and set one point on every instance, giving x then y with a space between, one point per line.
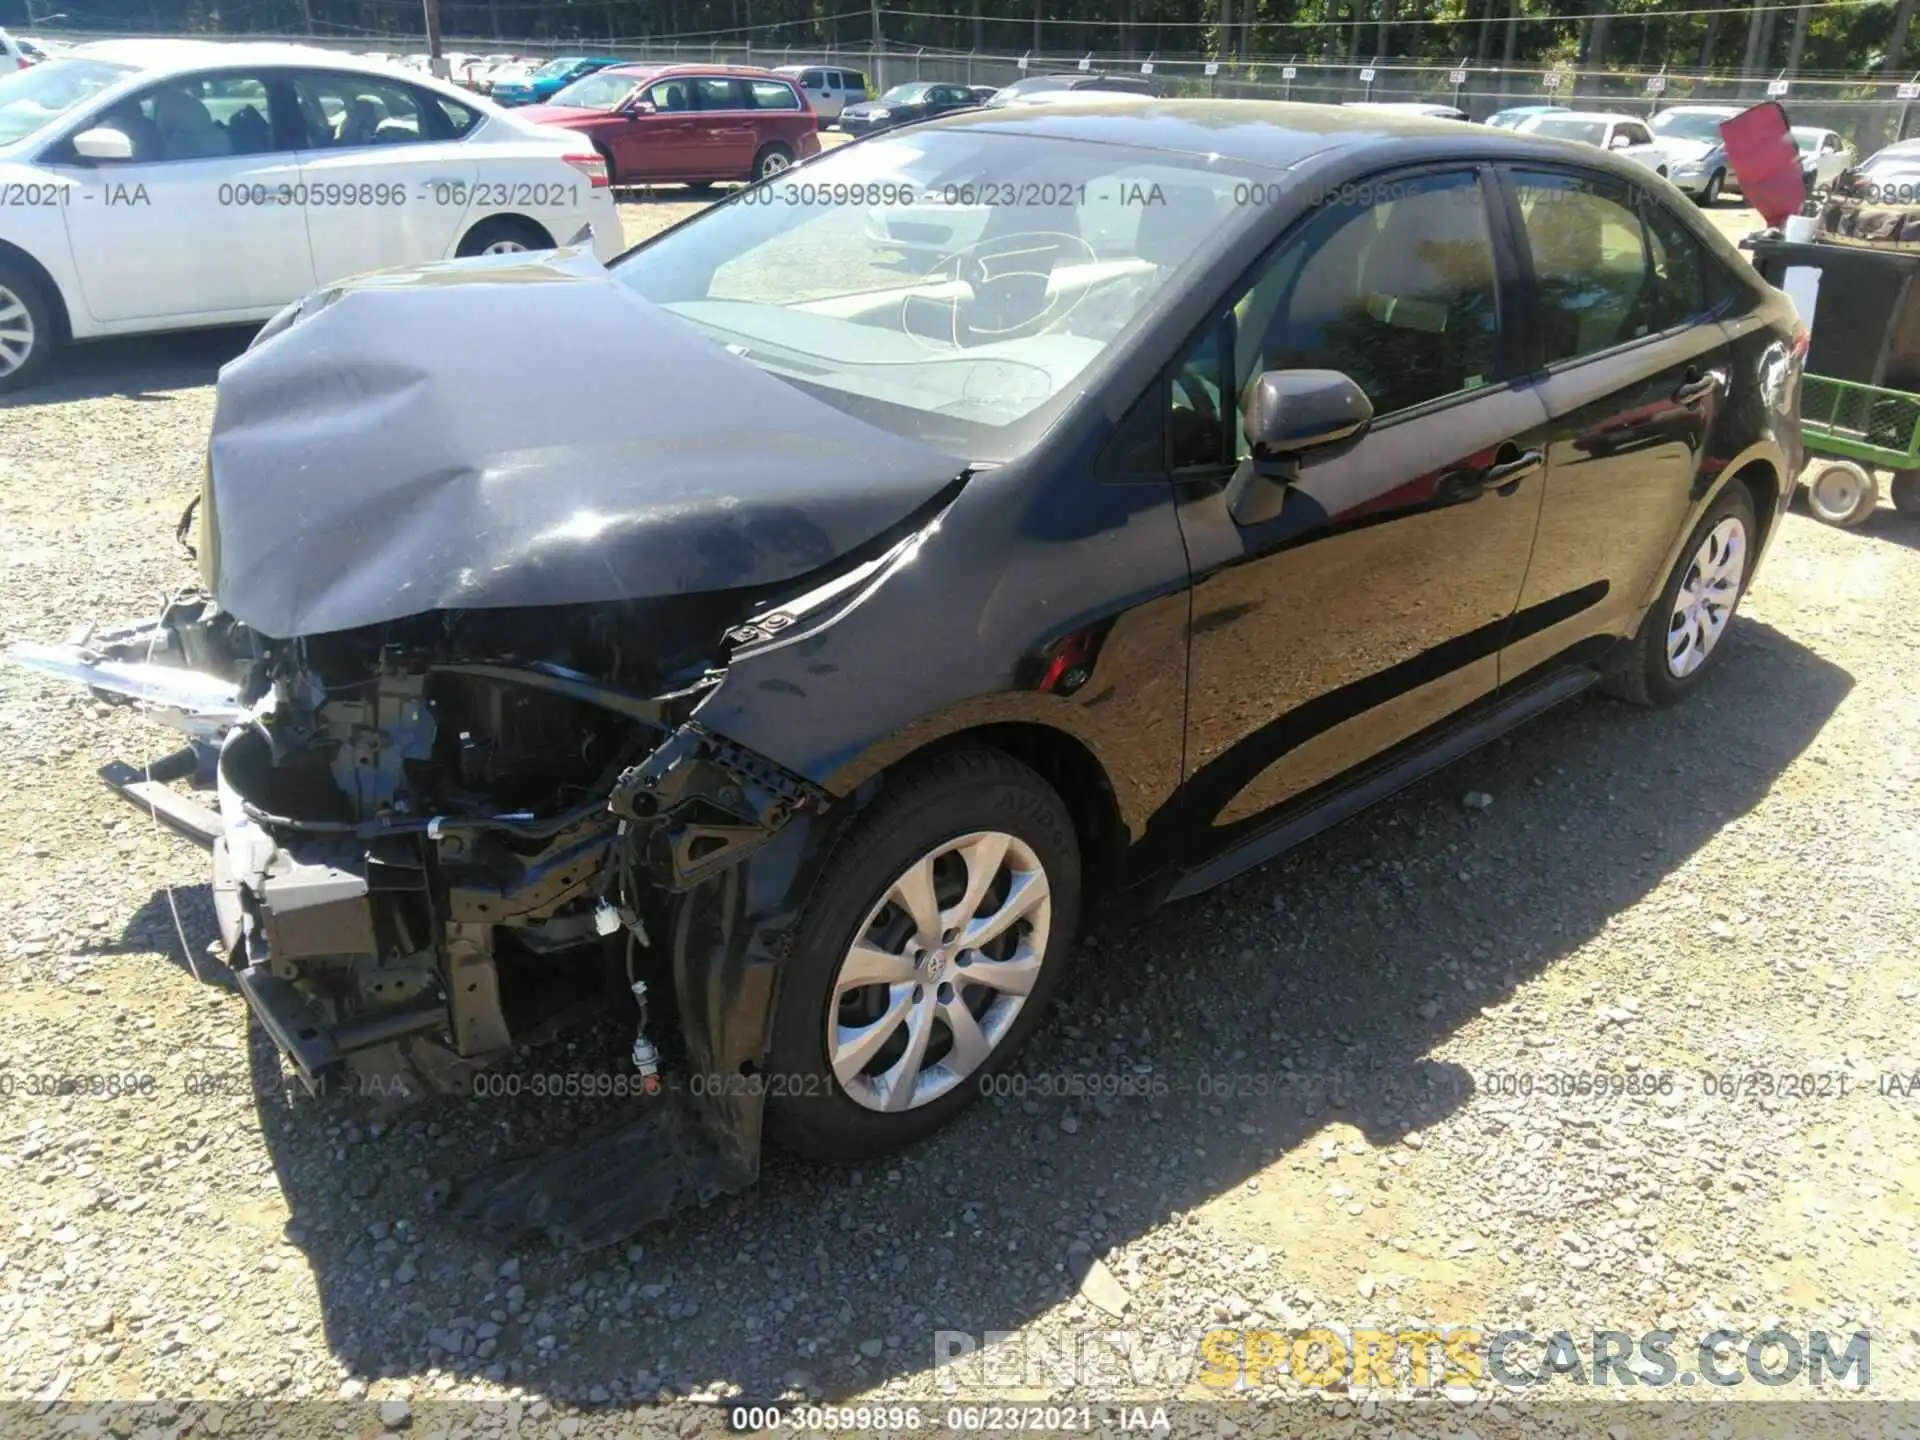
428 849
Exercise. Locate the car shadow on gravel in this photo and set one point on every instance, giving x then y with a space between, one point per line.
142 367
1195 1050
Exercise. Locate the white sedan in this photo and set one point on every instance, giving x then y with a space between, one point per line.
1823 154
166 185
1624 135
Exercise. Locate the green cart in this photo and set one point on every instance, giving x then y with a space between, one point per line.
1851 430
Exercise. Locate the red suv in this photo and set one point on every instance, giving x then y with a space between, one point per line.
691 123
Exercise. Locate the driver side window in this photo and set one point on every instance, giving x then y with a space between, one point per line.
1390 282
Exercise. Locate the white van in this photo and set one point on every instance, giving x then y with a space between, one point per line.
829 88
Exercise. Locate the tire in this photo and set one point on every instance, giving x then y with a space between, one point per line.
27 332
936 820
1648 675
606 158
1841 493
1710 196
1905 492
771 160
503 234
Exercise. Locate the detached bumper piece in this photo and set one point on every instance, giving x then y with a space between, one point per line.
641 1169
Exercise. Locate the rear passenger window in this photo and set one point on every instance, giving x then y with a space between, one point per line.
772 95
720 94
1591 268
813 79
1679 268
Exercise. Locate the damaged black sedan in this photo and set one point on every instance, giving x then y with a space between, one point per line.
837 598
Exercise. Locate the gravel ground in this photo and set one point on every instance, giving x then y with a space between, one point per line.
1348 1055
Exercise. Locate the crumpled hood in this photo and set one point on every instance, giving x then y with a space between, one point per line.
522 431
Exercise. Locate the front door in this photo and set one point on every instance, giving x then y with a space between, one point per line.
200 223
1374 603
663 140
1633 374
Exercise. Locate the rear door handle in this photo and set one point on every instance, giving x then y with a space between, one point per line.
1695 387
1506 476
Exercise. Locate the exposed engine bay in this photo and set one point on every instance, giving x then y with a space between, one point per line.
438 838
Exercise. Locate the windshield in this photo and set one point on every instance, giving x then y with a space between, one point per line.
1593 132
952 286
909 94
1688 125
555 67
604 91
1805 140
30 99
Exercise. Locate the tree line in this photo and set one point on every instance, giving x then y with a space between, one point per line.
1851 36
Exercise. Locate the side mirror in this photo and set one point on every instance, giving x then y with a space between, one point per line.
103 143
1284 414
639 107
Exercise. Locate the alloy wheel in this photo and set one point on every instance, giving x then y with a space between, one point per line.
506 247
773 164
1707 596
938 971
16 331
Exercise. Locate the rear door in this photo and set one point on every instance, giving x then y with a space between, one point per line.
1632 372
728 135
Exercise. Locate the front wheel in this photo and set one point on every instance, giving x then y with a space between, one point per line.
1905 492
925 957
26 329
1710 196
1681 637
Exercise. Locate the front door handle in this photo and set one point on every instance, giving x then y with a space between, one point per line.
1695 387
1506 476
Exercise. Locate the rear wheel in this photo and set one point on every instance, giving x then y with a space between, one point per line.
771 160
1681 637
1841 493
26 328
925 957
1905 491
504 235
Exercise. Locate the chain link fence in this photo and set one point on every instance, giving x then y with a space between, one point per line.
1868 111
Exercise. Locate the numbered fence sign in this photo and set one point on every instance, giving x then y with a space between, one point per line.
1021 62
1656 84
1551 80
1457 79
1777 88
1907 92
1366 76
1289 72
1086 62
1146 67
1213 67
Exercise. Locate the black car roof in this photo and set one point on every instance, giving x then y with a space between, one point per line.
1273 133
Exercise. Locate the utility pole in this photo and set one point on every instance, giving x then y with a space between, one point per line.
435 63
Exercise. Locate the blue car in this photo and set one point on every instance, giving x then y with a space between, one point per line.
550 78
